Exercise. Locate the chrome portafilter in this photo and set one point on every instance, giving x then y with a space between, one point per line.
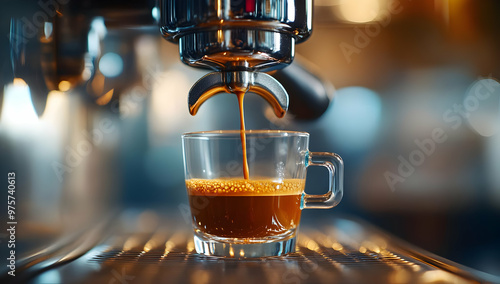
238 39
239 81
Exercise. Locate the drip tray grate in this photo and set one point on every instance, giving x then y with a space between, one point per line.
321 264
322 256
345 253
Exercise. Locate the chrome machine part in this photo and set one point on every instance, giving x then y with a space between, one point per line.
221 35
49 41
235 36
239 81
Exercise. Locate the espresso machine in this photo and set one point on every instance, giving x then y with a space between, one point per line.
239 40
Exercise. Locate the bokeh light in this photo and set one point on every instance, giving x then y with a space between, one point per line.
359 11
111 64
354 118
17 107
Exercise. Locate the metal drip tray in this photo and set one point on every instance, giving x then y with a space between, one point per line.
322 256
344 251
321 265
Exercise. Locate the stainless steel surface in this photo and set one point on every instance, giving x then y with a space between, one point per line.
237 49
241 81
340 251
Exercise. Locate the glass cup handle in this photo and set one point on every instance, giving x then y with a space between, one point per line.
335 166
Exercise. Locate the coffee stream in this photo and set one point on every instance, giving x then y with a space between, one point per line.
241 96
245 208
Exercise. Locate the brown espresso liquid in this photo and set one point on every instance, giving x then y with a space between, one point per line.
239 208
241 96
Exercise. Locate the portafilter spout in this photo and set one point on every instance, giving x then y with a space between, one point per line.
239 81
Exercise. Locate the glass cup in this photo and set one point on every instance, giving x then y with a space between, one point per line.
259 216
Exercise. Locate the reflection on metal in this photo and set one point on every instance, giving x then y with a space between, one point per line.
343 251
175 242
131 243
337 246
307 242
190 248
439 276
240 81
17 107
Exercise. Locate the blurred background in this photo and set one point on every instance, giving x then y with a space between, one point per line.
93 103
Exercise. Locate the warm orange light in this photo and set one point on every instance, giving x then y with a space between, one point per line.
336 246
399 276
312 245
169 245
106 98
359 11
19 82
131 243
220 36
64 86
371 246
190 246
98 84
219 8
148 246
